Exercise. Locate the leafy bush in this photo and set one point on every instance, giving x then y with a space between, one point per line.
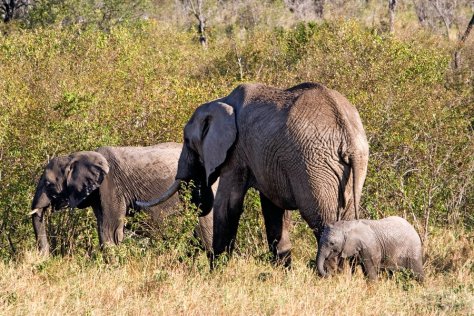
71 89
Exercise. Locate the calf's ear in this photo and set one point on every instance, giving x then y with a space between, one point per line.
351 246
85 173
41 199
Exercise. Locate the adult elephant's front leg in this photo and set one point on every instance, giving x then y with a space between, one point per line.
228 206
277 223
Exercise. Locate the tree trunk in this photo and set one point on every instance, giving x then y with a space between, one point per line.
444 16
462 40
391 10
202 31
8 8
319 8
420 9
197 11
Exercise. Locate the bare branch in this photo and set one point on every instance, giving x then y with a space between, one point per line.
467 32
462 40
443 15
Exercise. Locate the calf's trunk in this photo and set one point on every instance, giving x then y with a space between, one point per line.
39 227
320 260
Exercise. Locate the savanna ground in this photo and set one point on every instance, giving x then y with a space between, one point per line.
155 283
68 86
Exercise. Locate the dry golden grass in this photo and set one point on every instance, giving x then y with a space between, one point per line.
161 285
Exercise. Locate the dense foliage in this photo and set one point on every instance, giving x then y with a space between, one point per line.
65 89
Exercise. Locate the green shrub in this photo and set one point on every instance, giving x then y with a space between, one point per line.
71 89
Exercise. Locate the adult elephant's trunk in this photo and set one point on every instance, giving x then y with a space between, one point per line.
169 193
320 260
39 227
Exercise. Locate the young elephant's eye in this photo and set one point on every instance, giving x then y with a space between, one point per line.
331 243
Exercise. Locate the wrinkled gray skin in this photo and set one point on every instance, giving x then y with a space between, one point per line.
301 148
110 180
390 243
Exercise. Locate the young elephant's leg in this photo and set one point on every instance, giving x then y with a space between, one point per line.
369 270
417 267
204 230
370 264
98 215
110 216
277 222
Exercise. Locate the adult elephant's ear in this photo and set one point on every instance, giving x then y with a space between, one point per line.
85 173
219 132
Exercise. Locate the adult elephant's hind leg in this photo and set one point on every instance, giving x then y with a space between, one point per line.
277 223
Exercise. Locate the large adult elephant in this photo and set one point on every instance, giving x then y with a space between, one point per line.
302 148
109 180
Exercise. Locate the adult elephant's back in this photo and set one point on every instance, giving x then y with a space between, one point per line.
311 146
328 134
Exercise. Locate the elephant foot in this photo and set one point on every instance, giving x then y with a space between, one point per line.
283 259
334 265
217 261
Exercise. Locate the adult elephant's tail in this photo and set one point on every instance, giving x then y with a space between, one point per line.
359 171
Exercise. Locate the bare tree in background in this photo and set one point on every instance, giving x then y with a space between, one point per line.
421 11
196 8
305 8
446 11
319 8
12 8
462 40
392 4
442 15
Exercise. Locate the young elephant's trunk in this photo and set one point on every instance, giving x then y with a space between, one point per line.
41 199
320 260
40 231
39 205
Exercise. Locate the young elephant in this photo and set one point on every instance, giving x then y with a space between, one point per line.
110 180
389 243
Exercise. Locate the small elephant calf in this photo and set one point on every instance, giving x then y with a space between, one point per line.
390 243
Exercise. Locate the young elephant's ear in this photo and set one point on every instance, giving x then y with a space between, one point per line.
357 236
85 173
351 247
41 199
